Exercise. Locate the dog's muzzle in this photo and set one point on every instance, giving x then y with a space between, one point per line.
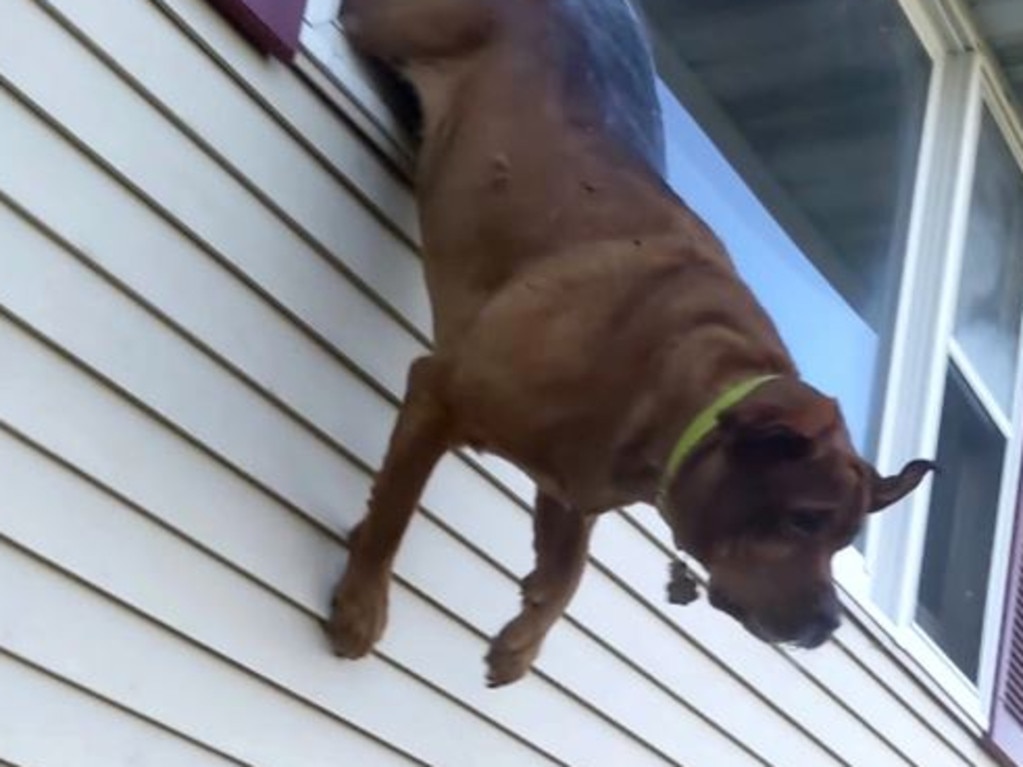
807 634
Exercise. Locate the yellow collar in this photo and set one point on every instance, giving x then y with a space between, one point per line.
703 425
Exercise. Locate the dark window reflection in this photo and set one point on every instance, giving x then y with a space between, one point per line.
961 527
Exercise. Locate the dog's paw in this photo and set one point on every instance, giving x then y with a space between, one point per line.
506 665
511 654
358 620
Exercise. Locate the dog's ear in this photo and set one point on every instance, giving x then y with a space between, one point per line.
884 491
762 428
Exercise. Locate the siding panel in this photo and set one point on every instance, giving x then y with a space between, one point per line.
224 611
93 103
198 694
45 283
163 63
960 742
302 110
151 256
42 287
32 407
66 726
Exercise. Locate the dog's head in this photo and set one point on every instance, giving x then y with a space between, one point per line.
768 499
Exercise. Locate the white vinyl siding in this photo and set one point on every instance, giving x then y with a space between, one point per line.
209 297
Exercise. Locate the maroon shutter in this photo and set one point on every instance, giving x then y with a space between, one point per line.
271 25
1007 712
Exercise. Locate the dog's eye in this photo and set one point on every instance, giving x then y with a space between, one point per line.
806 523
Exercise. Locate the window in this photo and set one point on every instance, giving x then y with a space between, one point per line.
960 527
976 420
939 567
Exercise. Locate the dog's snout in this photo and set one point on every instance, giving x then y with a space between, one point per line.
823 623
807 623
720 602
818 631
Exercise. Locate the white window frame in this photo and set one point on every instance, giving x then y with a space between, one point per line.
966 85
883 580
854 569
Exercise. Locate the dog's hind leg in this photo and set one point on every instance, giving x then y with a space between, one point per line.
406 30
419 440
561 539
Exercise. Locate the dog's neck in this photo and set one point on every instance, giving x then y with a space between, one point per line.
701 426
683 392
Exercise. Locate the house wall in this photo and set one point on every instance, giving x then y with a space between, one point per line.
209 296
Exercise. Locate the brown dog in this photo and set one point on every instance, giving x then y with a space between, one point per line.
587 323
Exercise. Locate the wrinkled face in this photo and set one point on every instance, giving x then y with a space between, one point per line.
770 561
766 505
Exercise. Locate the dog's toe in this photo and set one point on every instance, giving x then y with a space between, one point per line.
505 666
511 654
356 624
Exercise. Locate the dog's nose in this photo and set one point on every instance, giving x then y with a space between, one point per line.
819 629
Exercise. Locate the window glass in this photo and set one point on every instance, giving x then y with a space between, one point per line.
960 527
818 107
991 288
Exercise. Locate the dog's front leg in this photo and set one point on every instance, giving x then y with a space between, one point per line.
419 440
561 539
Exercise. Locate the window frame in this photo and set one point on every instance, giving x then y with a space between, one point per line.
880 581
895 545
854 570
